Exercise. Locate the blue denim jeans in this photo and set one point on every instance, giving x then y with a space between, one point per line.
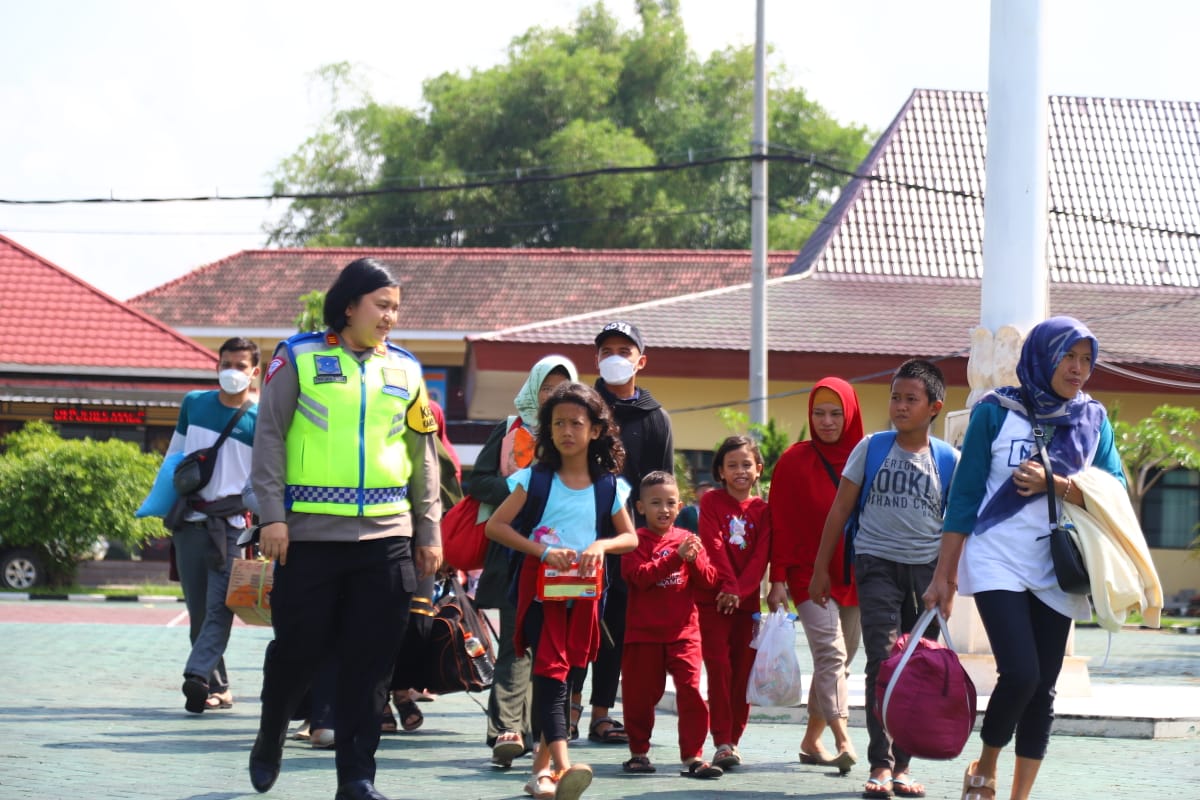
205 582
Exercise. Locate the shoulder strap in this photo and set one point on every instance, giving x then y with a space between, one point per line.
943 456
541 477
833 476
605 492
229 426
1043 446
878 447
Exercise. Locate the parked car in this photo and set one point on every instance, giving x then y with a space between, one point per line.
22 568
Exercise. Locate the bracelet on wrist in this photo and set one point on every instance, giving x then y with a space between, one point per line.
1067 491
545 553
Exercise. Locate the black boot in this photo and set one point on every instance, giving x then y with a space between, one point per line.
358 790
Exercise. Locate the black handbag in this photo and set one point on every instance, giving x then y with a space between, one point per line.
1069 567
195 470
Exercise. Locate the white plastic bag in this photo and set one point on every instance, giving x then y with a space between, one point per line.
775 676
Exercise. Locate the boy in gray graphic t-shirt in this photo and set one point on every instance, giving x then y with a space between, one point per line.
896 548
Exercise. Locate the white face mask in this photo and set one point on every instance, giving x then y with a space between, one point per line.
617 371
233 381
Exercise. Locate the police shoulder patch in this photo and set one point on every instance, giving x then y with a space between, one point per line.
272 368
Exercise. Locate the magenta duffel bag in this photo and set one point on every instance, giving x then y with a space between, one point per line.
923 695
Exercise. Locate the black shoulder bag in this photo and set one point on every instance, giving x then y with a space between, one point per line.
1069 567
195 470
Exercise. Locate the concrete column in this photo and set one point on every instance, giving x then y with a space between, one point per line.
1014 295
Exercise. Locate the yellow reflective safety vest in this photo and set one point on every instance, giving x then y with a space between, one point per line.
346 452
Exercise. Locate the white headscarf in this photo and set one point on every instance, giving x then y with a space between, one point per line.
526 400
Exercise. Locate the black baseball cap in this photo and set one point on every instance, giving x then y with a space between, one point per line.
621 328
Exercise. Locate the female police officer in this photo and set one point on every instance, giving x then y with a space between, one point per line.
346 474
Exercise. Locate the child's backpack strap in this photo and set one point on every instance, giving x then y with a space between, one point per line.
541 478
606 494
944 457
878 446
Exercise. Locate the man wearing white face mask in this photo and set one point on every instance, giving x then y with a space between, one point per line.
205 525
646 435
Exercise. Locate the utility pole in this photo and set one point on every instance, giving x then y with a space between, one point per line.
758 227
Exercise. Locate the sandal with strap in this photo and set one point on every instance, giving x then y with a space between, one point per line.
571 782
541 786
972 784
877 787
727 757
576 712
613 734
387 720
411 717
639 765
702 769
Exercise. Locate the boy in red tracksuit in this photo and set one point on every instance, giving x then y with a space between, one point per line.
662 629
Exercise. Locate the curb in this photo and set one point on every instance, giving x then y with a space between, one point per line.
90 598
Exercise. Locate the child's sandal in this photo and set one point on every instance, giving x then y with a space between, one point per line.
639 765
702 769
571 782
541 786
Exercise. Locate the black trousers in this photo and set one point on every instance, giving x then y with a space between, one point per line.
1029 641
350 599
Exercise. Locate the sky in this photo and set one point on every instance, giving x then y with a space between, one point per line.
145 98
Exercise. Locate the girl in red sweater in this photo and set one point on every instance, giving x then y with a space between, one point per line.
735 529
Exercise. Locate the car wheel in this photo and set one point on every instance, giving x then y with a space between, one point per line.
21 569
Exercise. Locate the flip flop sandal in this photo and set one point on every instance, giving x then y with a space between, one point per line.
411 717
639 765
571 782
702 770
508 746
877 788
814 760
218 700
843 762
195 690
614 734
904 786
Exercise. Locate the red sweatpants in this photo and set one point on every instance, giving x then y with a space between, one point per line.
644 669
728 658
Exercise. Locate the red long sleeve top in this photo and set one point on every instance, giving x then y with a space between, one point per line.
737 538
661 606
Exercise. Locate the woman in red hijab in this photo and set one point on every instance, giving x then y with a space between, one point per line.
802 490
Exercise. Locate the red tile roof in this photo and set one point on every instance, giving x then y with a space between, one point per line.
456 290
52 320
1124 183
850 315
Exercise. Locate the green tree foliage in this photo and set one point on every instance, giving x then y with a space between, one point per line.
1167 439
311 318
61 495
567 101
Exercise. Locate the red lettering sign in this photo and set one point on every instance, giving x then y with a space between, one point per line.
100 416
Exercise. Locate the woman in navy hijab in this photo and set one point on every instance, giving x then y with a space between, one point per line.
995 546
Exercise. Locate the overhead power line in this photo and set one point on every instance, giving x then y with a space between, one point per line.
526 178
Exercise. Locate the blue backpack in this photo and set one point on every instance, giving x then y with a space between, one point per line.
879 445
541 478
